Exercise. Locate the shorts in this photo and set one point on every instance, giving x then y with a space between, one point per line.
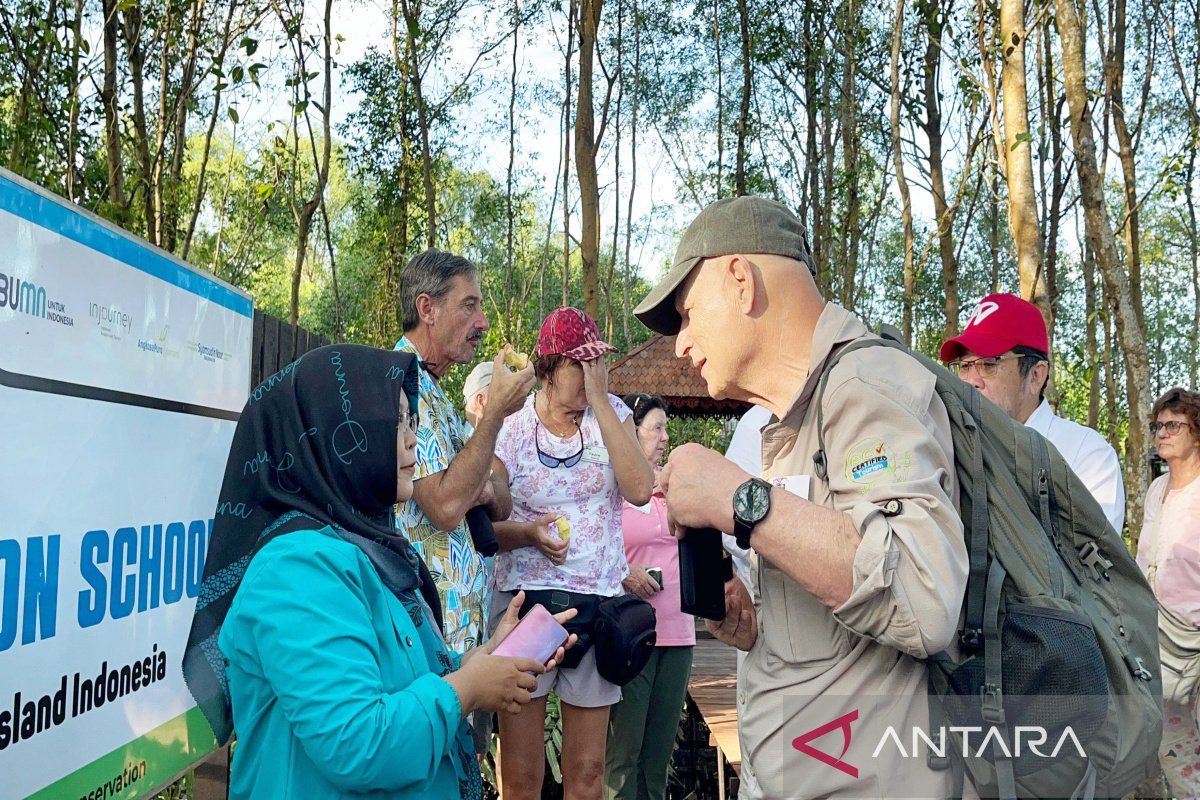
579 686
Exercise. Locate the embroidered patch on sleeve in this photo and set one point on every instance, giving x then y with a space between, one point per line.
869 460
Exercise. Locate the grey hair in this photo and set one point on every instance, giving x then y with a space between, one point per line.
431 273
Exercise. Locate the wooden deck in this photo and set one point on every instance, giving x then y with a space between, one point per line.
713 688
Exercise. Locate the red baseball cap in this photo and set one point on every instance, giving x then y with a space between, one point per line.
998 324
572 333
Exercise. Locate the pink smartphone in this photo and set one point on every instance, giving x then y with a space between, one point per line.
538 635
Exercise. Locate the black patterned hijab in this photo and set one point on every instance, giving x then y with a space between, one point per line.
315 446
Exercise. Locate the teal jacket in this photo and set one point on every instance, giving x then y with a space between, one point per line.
335 682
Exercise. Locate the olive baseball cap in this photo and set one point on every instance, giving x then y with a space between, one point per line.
734 225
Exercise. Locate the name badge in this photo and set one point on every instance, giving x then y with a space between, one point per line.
647 509
794 484
595 454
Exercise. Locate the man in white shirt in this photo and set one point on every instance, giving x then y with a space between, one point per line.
1004 353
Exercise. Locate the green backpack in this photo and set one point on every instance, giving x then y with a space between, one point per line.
1060 628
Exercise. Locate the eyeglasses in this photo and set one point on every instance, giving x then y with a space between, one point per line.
412 420
553 462
986 367
1173 427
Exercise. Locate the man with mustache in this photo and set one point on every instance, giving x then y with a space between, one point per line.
441 307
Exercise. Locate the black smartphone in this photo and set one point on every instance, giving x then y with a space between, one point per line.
704 567
656 574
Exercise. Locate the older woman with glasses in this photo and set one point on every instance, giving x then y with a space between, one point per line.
1169 554
571 453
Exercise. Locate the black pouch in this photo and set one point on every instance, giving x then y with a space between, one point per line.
704 568
558 600
625 637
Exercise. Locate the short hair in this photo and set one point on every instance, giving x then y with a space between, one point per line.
431 272
642 403
1030 357
1181 401
545 366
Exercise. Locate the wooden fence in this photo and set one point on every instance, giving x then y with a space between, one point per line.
271 349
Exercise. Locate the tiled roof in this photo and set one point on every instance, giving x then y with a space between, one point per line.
652 367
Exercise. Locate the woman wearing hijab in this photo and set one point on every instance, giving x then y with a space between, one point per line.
317 628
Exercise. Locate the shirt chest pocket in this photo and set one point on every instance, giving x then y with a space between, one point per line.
796 627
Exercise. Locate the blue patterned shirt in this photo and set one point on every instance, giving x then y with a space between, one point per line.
457 569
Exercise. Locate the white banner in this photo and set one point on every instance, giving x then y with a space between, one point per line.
122 371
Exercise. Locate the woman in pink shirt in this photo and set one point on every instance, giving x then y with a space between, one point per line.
642 726
1169 554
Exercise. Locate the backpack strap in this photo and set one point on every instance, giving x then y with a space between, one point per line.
820 462
1047 510
993 681
978 537
978 534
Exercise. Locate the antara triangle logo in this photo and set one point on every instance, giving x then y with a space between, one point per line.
843 722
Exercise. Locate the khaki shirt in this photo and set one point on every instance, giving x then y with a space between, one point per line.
856 669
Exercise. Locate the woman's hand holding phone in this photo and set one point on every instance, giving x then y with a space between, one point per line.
545 637
489 680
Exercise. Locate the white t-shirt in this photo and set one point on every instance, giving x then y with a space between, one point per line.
1089 455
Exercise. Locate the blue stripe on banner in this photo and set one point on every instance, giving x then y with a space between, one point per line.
62 220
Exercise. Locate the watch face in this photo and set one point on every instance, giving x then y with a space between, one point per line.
752 501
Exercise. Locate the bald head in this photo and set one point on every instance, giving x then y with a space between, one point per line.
740 314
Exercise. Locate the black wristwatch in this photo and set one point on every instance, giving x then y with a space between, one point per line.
751 504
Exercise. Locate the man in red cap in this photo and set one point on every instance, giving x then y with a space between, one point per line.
1004 353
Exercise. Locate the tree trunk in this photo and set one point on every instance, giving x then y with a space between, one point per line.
848 111
572 10
1114 74
202 178
171 205
1100 236
19 154
1091 348
585 157
716 17
1194 253
1017 155
937 180
1058 184
902 183
744 111
134 39
1110 374
112 119
633 131
158 165
304 222
512 155
812 161
412 27
72 172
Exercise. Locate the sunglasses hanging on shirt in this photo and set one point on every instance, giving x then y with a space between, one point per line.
554 462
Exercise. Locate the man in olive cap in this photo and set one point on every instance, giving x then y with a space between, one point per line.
859 569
